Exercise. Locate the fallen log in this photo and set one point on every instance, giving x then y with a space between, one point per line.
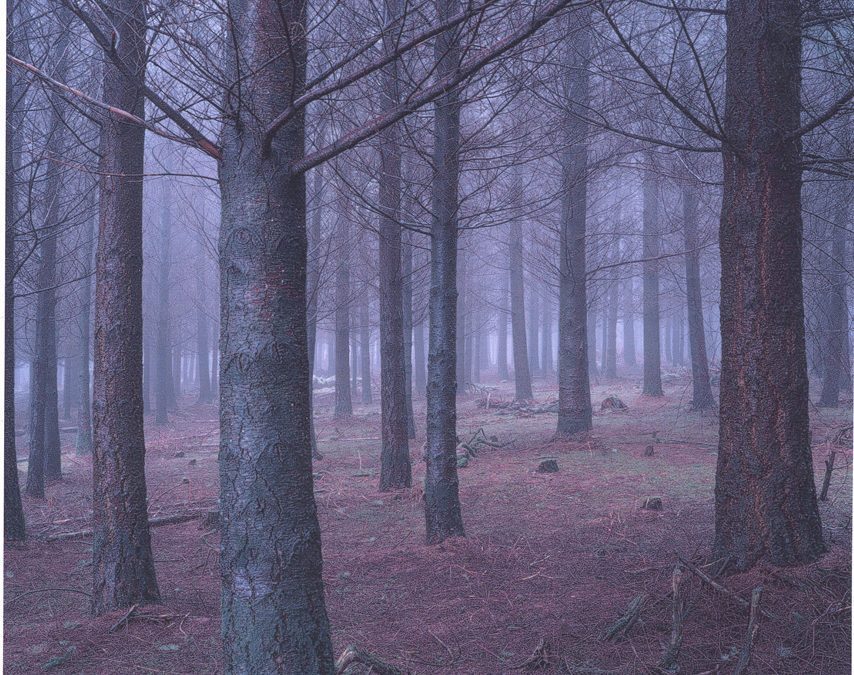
152 522
623 624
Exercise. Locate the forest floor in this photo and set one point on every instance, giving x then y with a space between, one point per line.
550 559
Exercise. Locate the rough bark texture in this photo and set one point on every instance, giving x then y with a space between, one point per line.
13 512
703 397
441 486
575 412
765 501
651 314
521 364
395 466
273 612
123 566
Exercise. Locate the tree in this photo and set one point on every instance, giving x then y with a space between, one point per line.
395 466
575 411
765 502
343 399
521 363
165 379
651 314
123 565
442 508
84 409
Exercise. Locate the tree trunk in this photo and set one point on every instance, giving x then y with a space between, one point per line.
69 390
575 412
365 341
462 308
166 391
395 465
533 334
651 316
521 364
835 347
202 337
273 611
354 352
629 356
313 290
407 332
548 349
343 399
442 508
13 512
501 319
123 566
177 374
420 358
84 409
765 501
613 309
702 387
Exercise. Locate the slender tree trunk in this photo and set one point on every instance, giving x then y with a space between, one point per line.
575 412
343 399
407 332
395 465
462 309
548 348
835 347
521 364
613 309
273 611
123 566
501 319
702 387
165 388
68 390
442 508
533 328
765 501
84 410
202 337
420 359
668 339
313 290
365 340
177 372
354 352
13 512
651 316
629 357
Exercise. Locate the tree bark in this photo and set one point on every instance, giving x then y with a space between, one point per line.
765 500
273 611
13 512
533 334
420 359
702 387
406 287
629 351
575 411
202 337
442 509
501 319
365 342
651 315
548 349
84 409
613 310
521 364
165 387
313 290
123 566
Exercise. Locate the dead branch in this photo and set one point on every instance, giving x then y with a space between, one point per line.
721 588
622 625
118 624
152 522
752 629
671 654
825 486
540 658
352 655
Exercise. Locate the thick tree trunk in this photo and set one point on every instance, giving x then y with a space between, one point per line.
13 512
702 387
651 315
273 612
575 412
441 485
343 399
835 347
521 364
166 390
765 501
123 566
84 410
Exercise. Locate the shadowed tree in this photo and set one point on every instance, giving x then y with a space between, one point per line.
84 410
343 399
521 363
164 374
651 250
765 501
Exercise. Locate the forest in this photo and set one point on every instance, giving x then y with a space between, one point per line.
351 337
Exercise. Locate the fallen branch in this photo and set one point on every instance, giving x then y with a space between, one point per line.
671 654
752 630
825 486
152 522
118 624
721 588
622 625
353 655
47 590
541 657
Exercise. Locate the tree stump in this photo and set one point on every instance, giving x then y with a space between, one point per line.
548 466
649 451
